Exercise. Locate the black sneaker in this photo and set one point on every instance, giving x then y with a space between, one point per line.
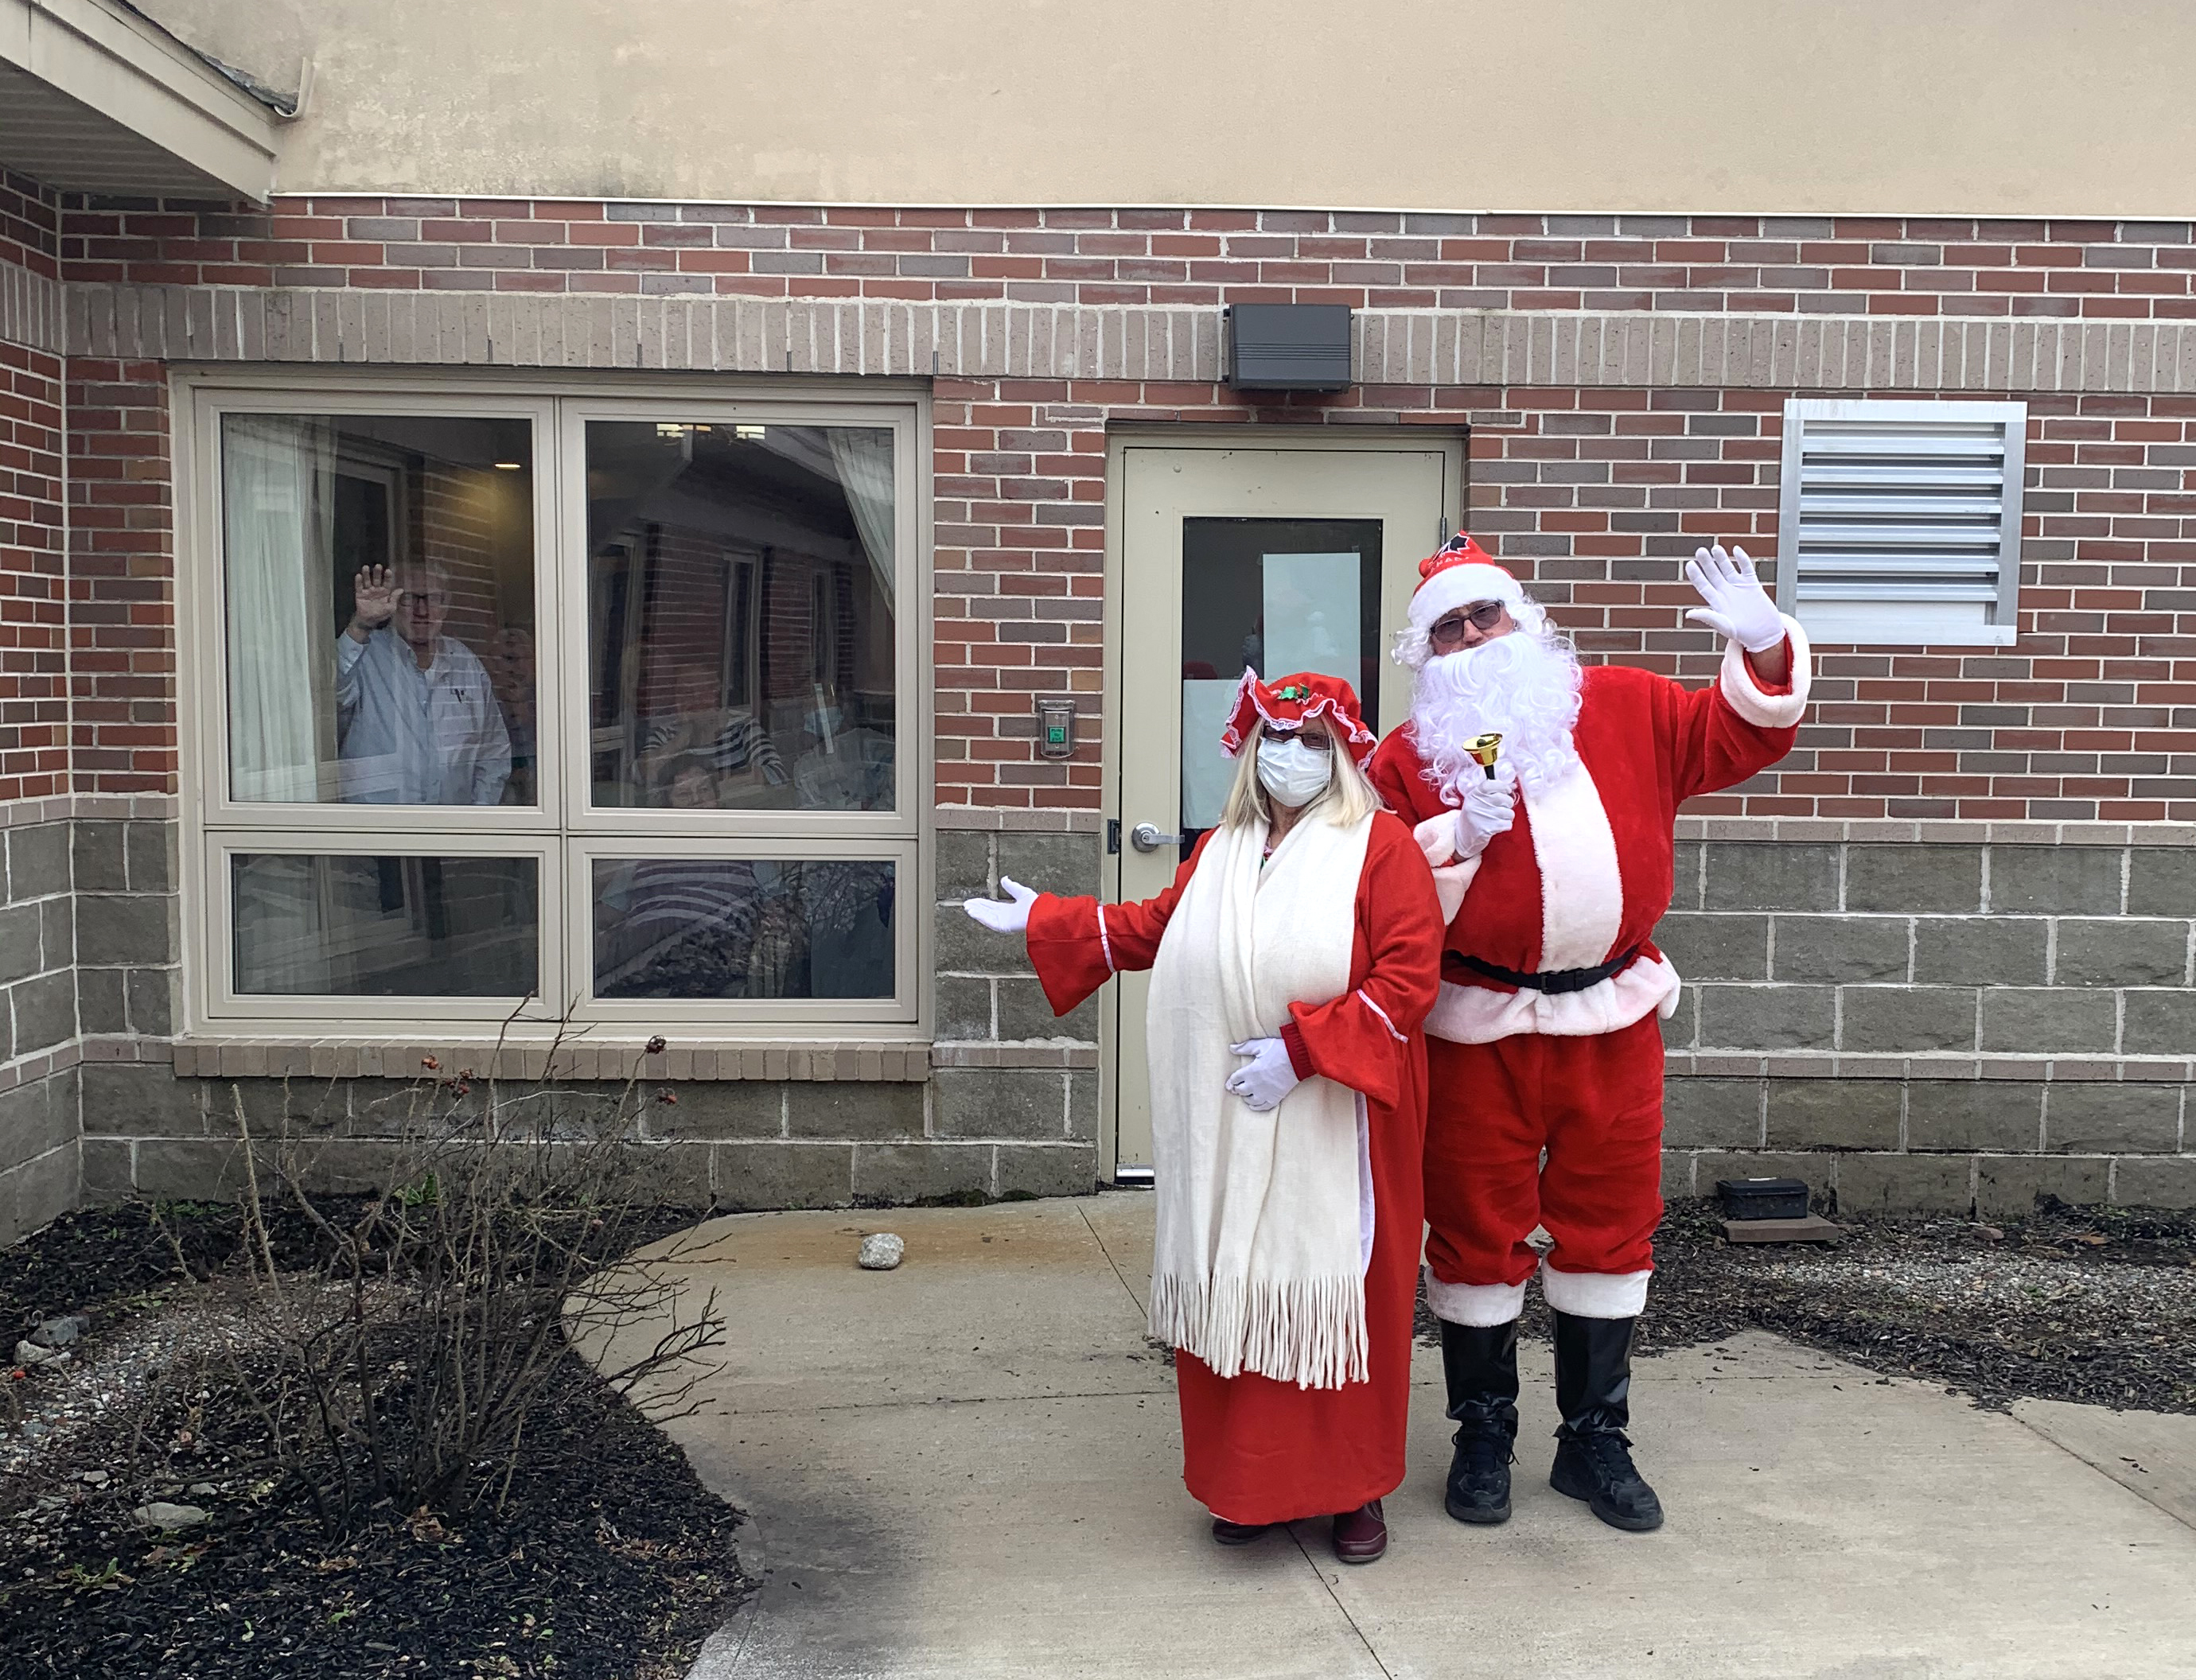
1597 1467
1479 1474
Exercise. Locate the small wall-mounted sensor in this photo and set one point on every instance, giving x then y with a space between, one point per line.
1055 729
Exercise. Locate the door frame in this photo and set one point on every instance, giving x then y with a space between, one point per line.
1451 439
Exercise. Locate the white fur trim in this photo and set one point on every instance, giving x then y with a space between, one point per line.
1385 1020
1595 1295
1480 1014
1581 893
1747 697
1454 587
1105 944
1368 1215
1480 1305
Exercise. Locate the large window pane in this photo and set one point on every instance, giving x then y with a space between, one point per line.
740 616
379 573
716 927
464 927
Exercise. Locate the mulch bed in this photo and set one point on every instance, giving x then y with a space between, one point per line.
2096 1305
608 1559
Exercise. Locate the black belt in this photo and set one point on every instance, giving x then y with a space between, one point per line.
1555 980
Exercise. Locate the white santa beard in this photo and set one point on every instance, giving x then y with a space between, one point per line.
1523 687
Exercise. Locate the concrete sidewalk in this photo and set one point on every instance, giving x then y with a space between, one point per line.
970 1466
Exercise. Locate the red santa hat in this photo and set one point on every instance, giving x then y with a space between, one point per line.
1461 575
1287 702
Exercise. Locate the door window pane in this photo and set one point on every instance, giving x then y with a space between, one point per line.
740 617
378 584
465 926
718 927
1278 596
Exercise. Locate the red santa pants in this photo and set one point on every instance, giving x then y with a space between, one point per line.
1595 1105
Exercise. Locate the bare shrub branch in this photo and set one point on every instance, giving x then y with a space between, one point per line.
493 1242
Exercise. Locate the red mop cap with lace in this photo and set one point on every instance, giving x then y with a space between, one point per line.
1462 574
1287 702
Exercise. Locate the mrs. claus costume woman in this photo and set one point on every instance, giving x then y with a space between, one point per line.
1292 961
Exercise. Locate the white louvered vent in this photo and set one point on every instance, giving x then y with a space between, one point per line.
1900 522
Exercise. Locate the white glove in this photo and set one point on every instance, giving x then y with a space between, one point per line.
1737 604
1436 838
1490 807
1011 917
1266 1077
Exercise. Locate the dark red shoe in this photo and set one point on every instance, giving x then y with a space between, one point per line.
1361 1536
1237 1534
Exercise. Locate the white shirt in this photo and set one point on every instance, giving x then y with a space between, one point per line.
410 736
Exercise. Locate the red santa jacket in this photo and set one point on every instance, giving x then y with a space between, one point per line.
1584 873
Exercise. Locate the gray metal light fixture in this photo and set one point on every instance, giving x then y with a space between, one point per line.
1288 347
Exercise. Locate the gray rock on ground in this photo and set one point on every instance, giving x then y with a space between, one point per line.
60 1332
881 1250
162 1515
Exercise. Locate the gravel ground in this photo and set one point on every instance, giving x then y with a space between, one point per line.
2095 1305
611 1559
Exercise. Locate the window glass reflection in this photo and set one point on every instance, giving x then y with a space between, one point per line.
717 928
379 576
740 616
464 927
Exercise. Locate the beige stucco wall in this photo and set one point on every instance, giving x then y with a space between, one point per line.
1997 107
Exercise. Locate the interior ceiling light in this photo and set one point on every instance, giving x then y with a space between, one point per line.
511 466
750 434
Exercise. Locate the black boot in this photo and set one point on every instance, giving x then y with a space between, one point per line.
1480 1364
1593 1391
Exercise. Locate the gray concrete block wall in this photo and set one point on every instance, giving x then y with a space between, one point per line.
127 914
1008 1068
1935 1024
730 1145
1930 949
734 1145
38 1026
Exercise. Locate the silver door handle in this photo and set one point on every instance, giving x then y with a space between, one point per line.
1146 837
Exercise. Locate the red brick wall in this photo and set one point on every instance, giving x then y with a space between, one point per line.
1597 494
122 576
1842 265
33 632
1600 494
30 225
33 580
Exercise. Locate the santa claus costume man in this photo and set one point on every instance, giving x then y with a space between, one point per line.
1291 961
1545 1051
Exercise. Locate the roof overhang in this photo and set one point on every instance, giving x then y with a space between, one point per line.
96 98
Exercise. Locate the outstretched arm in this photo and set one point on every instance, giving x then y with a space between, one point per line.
1076 944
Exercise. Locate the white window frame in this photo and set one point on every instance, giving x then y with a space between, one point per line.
1925 622
563 832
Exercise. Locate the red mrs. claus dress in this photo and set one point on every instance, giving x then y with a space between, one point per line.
1254 1450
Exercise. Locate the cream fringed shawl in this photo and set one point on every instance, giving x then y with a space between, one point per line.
1257 1265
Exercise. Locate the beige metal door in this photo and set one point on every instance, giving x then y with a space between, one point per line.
1295 555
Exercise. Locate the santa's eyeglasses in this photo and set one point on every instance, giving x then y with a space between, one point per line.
1486 618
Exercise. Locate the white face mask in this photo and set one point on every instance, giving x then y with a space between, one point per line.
1293 773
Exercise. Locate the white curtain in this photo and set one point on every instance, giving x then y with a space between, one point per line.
863 458
278 541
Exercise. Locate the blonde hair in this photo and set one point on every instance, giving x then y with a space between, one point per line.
1347 799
